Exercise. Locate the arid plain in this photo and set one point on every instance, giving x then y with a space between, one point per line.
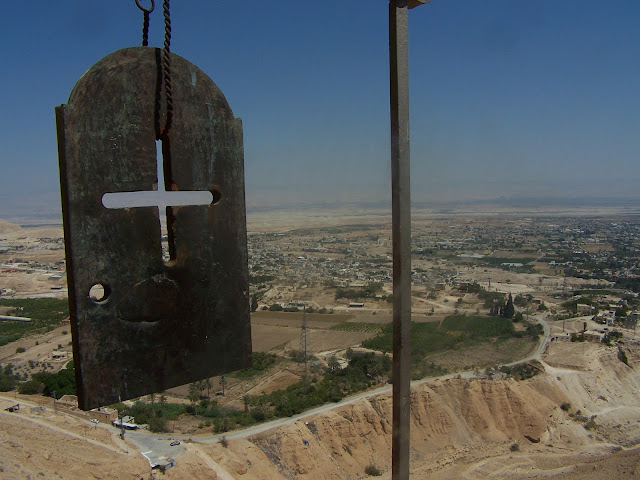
466 424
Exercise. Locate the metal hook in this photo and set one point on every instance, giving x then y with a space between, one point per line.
153 6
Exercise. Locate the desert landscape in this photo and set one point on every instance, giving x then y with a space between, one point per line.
576 416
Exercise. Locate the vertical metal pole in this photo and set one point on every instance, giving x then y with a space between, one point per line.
401 231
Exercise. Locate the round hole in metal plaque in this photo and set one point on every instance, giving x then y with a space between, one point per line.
217 196
99 293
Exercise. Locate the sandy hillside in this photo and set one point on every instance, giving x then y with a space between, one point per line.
7 227
461 429
467 429
42 444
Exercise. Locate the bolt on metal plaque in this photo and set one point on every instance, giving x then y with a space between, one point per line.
143 322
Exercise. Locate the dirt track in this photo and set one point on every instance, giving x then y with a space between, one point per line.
461 429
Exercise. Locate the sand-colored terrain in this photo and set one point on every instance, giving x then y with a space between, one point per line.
34 264
461 429
40 443
466 429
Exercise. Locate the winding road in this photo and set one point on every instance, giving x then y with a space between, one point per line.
157 445
157 449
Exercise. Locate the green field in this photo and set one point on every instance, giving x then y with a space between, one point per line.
358 327
45 315
455 332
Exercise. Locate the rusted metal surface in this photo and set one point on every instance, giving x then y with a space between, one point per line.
159 324
401 234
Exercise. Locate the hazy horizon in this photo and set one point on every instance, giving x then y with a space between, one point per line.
509 100
27 213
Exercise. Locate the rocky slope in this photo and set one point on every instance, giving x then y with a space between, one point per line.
461 429
465 429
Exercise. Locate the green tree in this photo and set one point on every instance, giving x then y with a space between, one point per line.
520 300
208 384
157 424
223 383
622 312
509 310
152 399
163 403
194 393
63 382
30 387
202 384
333 363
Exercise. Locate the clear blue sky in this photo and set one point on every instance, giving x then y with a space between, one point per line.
507 97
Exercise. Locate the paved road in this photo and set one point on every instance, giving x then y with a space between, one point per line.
248 432
157 449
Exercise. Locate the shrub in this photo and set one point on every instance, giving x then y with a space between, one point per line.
63 382
622 356
514 447
221 425
224 442
21 350
372 471
591 424
7 382
157 424
260 362
30 387
566 406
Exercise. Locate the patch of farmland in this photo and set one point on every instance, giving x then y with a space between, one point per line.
323 340
278 381
370 318
357 327
267 337
294 319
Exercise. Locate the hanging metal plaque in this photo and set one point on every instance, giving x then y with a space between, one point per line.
142 323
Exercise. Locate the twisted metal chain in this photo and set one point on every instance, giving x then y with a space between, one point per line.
166 68
145 29
166 57
145 21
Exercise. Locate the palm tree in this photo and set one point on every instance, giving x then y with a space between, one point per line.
194 393
163 402
208 384
151 400
223 383
201 386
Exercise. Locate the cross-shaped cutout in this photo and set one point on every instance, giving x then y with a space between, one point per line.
152 325
163 197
